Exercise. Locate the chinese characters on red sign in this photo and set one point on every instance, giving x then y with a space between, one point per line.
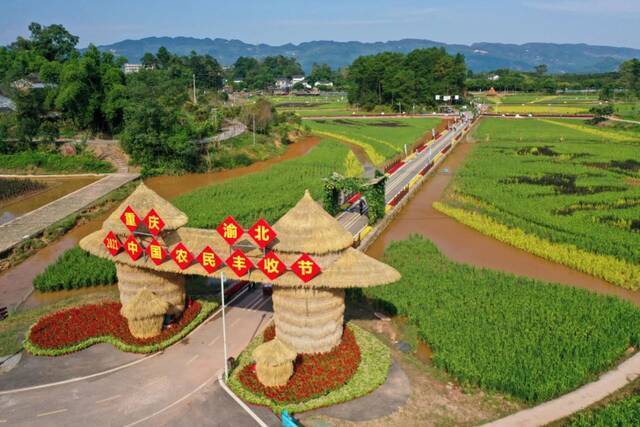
239 263
154 223
305 268
133 248
156 252
181 256
209 260
262 233
130 219
230 230
272 266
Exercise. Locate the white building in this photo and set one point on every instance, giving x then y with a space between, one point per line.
493 78
297 79
323 83
132 68
283 83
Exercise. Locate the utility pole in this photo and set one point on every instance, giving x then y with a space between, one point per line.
254 128
224 329
195 100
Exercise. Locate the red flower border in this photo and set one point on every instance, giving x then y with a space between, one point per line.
72 326
314 374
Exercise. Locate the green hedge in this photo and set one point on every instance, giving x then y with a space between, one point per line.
502 332
74 269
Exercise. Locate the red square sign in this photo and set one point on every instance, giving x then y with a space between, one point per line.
239 263
272 266
262 233
230 230
209 260
154 223
156 252
305 268
181 256
112 243
133 248
130 219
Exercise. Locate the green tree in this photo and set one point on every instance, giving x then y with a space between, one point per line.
53 42
630 76
541 69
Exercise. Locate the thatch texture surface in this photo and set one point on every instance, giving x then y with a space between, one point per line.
308 320
273 353
142 200
168 287
145 314
307 227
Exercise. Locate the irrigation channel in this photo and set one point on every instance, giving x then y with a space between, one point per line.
457 241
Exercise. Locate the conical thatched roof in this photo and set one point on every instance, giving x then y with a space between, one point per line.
354 269
144 305
307 227
142 200
273 353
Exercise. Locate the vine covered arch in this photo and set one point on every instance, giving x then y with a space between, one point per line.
371 189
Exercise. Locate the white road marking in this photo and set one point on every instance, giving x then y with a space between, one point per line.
213 341
240 402
3 421
44 414
192 359
108 398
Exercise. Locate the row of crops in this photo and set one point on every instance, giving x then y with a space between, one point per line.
623 412
559 181
267 194
46 162
381 139
530 339
13 187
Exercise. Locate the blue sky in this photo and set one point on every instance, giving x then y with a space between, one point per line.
613 22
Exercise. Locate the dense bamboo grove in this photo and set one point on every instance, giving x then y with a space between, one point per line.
502 332
560 181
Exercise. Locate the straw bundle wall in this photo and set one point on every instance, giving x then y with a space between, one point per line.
274 376
309 320
145 314
168 287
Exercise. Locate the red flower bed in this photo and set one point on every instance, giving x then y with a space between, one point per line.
71 326
313 375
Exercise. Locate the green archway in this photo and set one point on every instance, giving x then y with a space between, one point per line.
371 189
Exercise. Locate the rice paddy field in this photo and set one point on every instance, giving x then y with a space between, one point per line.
530 339
267 194
560 189
536 103
314 106
381 139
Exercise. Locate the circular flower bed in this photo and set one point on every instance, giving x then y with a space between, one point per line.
313 374
303 391
77 328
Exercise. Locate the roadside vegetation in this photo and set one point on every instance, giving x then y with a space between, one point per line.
43 162
501 332
559 189
382 139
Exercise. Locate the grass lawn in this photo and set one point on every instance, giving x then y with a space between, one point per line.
382 139
40 162
558 188
13 330
628 111
541 109
502 332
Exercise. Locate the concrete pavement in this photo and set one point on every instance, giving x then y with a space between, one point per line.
148 393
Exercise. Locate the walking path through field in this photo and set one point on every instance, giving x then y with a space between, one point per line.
615 119
577 400
34 222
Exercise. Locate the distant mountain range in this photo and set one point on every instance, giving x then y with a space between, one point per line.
560 58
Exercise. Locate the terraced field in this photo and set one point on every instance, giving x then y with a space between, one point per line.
313 106
562 190
381 139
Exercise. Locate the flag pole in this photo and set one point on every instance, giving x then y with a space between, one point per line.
224 329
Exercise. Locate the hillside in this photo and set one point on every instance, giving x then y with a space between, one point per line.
561 58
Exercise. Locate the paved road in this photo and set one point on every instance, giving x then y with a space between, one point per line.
354 222
34 222
157 390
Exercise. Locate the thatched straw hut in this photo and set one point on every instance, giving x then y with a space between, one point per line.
145 314
274 362
309 317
